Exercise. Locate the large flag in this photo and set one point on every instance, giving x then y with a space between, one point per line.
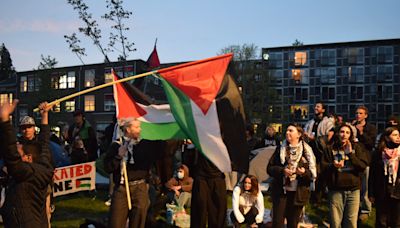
157 121
208 108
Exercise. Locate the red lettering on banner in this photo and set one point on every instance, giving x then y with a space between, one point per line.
64 174
78 171
88 169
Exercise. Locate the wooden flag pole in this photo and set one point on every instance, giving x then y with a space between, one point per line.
57 101
128 192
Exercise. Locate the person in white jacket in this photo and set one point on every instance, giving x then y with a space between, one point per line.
247 203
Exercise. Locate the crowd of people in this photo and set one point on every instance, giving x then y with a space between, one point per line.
348 165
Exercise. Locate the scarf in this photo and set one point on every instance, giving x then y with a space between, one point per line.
390 158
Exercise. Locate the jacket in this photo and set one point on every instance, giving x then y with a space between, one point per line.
25 204
275 169
88 136
236 204
345 180
186 183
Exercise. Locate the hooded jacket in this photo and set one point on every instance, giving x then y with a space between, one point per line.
25 204
186 182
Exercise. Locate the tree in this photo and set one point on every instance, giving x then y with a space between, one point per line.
297 43
47 63
6 67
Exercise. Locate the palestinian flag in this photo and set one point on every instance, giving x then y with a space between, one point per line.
83 182
208 108
157 121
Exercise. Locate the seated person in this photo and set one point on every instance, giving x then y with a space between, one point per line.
180 187
247 203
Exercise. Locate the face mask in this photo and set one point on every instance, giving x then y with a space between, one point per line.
180 175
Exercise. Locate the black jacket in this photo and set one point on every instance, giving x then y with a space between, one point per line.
145 154
344 180
275 169
25 204
378 184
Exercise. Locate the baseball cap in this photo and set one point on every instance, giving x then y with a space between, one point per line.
27 121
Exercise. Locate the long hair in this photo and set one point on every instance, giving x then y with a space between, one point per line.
254 185
337 143
384 140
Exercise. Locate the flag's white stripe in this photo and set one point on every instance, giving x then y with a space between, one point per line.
209 134
157 114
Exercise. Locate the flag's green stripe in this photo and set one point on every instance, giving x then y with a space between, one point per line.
84 185
181 108
161 131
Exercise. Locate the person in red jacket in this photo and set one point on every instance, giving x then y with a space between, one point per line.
180 187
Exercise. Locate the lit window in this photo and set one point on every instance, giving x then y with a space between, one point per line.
299 112
23 86
108 77
63 82
109 104
89 78
89 103
300 75
70 106
55 82
3 98
57 108
300 58
71 79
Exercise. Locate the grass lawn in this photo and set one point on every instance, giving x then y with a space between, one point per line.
72 210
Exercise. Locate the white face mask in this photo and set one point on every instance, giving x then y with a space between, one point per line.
180 175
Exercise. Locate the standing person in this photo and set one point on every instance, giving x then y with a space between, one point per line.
343 163
247 203
180 187
139 155
384 179
293 168
209 205
30 168
81 128
366 135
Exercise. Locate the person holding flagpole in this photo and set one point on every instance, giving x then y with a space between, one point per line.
130 160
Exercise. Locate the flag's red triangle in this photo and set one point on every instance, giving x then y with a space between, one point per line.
199 80
125 105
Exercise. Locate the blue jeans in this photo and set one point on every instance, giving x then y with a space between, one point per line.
365 206
343 208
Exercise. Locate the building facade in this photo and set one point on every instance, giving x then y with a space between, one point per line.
341 75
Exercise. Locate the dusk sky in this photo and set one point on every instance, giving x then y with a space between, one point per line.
192 30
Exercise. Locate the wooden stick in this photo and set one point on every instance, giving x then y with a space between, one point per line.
128 193
57 101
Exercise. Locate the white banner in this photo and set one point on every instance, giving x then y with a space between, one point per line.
74 178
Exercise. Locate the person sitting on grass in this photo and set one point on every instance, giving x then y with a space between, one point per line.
180 187
247 203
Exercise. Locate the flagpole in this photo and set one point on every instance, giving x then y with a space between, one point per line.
57 101
128 193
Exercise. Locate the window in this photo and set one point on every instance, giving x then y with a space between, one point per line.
23 86
328 75
385 92
31 83
57 108
356 92
22 110
275 59
385 54
70 106
89 103
109 104
71 79
6 97
108 77
384 110
355 74
384 73
301 94
275 76
299 112
355 55
300 58
328 93
89 78
55 82
300 75
328 57
62 80
38 83
257 77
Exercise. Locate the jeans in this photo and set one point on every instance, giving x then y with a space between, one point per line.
119 212
343 208
365 205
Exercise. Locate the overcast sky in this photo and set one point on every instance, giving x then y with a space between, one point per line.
191 30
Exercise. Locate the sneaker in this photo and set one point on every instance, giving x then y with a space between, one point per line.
108 203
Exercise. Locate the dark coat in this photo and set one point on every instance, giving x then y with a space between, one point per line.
25 204
88 136
275 169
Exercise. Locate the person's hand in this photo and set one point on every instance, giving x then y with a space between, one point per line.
122 151
339 164
347 147
44 107
6 109
300 171
287 172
